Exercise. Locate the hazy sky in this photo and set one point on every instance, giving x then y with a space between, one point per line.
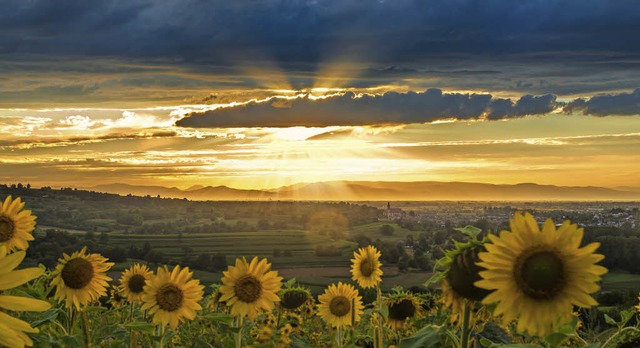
254 94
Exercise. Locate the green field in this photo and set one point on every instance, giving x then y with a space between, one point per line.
621 281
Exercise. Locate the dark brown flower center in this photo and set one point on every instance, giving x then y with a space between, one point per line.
367 266
540 274
463 272
77 273
136 283
169 297
402 310
248 289
7 228
293 299
339 306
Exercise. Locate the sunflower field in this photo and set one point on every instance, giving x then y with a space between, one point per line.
529 286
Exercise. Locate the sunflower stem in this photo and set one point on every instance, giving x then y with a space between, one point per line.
85 329
628 328
339 336
464 340
133 340
378 341
70 322
239 333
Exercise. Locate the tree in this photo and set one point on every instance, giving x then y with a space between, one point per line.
386 230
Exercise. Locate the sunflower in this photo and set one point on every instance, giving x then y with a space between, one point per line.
539 275
80 278
340 305
133 280
250 287
638 306
458 272
116 299
171 296
16 224
365 267
403 306
13 331
294 297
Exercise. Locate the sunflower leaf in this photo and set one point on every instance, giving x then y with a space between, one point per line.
610 320
428 337
470 231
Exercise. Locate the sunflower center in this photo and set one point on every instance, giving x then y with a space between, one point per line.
7 228
402 310
339 306
169 297
136 283
540 274
367 266
77 273
248 289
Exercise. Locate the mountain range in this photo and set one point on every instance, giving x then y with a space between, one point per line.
385 191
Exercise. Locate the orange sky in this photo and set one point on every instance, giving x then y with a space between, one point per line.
86 147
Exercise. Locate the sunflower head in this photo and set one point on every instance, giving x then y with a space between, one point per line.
366 267
638 306
16 224
539 275
340 305
116 298
133 280
172 296
249 288
464 272
80 278
294 297
458 272
403 306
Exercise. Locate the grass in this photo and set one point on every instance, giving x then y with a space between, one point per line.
620 281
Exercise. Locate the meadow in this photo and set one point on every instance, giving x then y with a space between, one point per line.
311 245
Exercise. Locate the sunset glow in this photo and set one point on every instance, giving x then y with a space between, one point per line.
267 113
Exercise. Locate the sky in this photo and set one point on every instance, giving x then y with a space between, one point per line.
262 94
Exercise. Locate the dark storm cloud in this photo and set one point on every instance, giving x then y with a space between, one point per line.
610 104
349 110
294 32
524 47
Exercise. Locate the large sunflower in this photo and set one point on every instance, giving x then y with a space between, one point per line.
133 280
250 287
16 224
13 331
80 278
365 267
339 304
172 296
539 275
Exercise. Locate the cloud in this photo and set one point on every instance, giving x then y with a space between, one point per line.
609 104
350 109
178 46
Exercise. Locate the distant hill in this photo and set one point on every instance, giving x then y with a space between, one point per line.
383 191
